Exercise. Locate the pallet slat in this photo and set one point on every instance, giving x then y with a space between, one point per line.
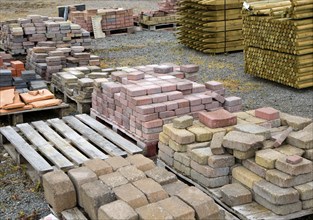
36 161
109 134
94 137
44 147
68 150
76 139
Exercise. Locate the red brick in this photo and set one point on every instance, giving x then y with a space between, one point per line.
197 108
182 111
18 65
135 75
159 107
153 124
141 100
216 96
153 89
187 92
174 95
213 105
166 114
205 99
168 87
145 109
267 113
136 91
171 105
185 85
216 119
149 117
182 103
294 159
189 68
193 100
213 85
159 98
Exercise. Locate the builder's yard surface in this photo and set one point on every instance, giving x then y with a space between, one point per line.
20 198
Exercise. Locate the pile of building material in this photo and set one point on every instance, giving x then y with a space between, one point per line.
142 99
169 6
126 188
280 49
13 101
49 59
16 36
211 26
5 60
112 18
273 152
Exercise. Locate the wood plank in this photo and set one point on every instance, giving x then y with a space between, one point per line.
68 150
94 137
76 139
44 147
73 214
109 134
33 158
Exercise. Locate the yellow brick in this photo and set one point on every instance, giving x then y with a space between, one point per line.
164 138
177 147
242 115
245 176
255 120
202 134
267 158
242 155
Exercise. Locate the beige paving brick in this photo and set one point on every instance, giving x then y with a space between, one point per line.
177 208
242 155
296 122
202 134
152 190
117 210
235 194
117 162
185 170
100 167
211 182
180 136
161 175
197 145
208 171
305 190
216 143
285 180
307 204
182 158
200 155
175 187
131 173
164 138
153 211
290 150
253 129
166 149
267 158
166 158
113 179
183 122
141 162
305 166
225 160
245 176
301 139
177 147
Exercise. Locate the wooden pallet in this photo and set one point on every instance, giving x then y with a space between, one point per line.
159 27
250 211
118 31
18 117
62 143
82 106
149 147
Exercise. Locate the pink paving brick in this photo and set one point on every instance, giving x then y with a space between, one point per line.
217 119
168 87
216 96
141 100
153 124
159 98
197 87
171 105
159 107
232 101
111 87
182 103
136 91
150 117
163 69
182 111
193 100
267 113
135 75
214 85
153 89
174 95
187 92
232 109
145 109
166 114
179 75
205 99
294 159
185 85
189 68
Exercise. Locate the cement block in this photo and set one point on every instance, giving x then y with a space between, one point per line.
203 205
182 158
216 143
174 188
117 162
80 176
303 167
245 176
98 166
131 173
141 162
94 195
200 155
59 191
279 209
209 182
235 194
267 158
152 190
275 194
225 160
113 179
161 175
305 190
117 210
177 208
131 195
285 180
253 129
251 165
208 171
242 141
153 211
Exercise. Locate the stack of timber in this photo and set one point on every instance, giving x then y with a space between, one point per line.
280 47
211 26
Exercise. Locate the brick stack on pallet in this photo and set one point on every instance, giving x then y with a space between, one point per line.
211 26
16 36
126 188
144 98
169 6
46 60
273 152
280 49
112 18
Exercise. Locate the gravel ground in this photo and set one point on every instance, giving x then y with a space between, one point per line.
19 198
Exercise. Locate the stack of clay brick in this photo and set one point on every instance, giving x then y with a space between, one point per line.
169 6
112 18
47 59
5 60
142 99
12 101
130 188
78 82
16 36
274 152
